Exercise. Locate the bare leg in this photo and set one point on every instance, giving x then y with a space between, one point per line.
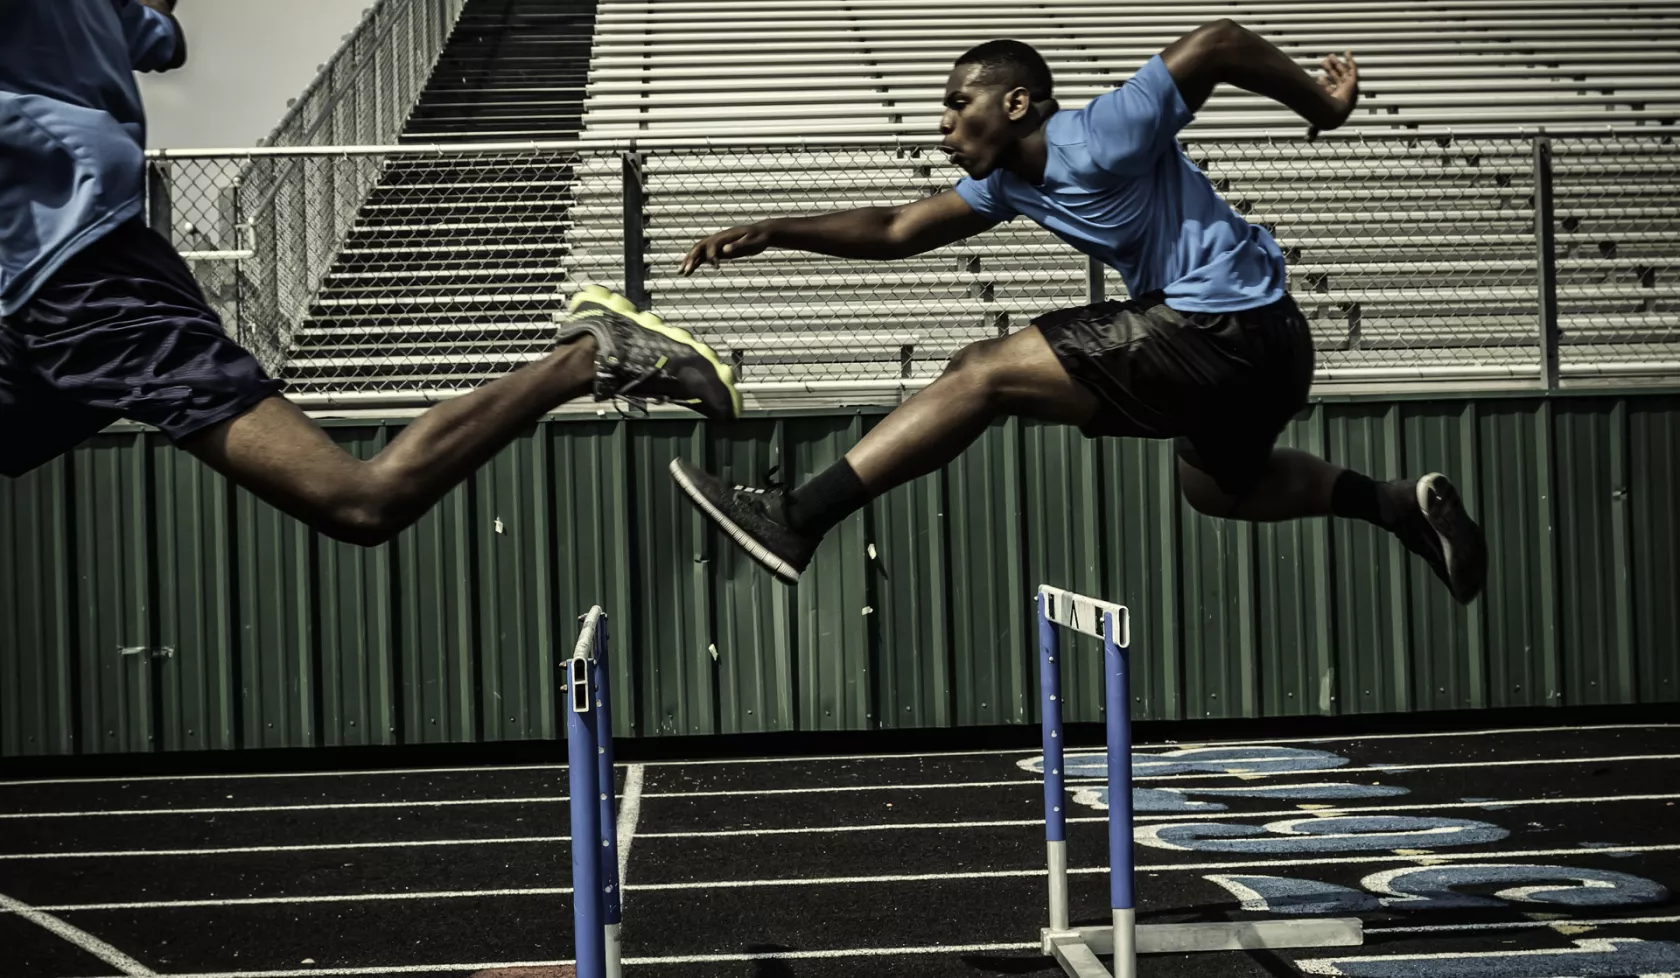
1426 514
276 451
1020 376
1013 375
1296 485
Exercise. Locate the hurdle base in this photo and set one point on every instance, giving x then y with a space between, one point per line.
1076 949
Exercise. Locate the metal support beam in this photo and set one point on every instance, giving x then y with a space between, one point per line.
160 199
635 246
1545 237
1096 288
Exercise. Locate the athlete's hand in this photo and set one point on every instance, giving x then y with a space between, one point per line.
1341 86
743 241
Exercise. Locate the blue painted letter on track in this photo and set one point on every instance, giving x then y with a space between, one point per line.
1320 835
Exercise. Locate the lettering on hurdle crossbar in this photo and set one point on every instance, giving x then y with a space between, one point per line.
1077 948
597 909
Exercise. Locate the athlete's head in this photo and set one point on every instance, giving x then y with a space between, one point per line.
997 93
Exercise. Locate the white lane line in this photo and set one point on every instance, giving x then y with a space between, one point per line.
1523 925
841 952
1522 763
309 847
1195 776
1492 804
267 775
392 969
535 891
1172 817
406 969
831 954
335 807
1420 735
1285 860
796 759
345 806
1479 962
1002 823
75 935
1174 745
846 788
629 815
841 789
1433 857
821 758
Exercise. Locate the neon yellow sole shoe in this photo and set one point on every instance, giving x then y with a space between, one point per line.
642 358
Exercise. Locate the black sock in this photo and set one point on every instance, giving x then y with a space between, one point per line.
834 494
1360 497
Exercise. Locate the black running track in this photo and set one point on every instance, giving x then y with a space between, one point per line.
1546 853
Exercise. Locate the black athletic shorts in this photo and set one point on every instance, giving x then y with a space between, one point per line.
121 330
1223 385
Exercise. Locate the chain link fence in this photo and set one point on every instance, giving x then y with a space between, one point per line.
1616 203
381 275
364 94
401 274
794 320
1411 258
262 231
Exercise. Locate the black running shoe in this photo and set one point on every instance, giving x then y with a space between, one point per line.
643 359
1444 535
753 518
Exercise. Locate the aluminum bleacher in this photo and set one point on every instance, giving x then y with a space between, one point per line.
455 263
760 68
513 69
1413 258
1411 233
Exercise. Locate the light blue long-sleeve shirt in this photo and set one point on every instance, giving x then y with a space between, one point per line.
72 129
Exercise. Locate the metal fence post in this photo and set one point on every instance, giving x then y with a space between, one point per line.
635 257
239 240
160 204
1546 255
1096 289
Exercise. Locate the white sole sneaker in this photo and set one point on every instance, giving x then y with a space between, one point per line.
1463 547
742 538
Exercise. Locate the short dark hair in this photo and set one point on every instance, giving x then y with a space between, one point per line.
1011 63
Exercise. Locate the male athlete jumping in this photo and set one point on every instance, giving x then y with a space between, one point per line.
100 318
1210 350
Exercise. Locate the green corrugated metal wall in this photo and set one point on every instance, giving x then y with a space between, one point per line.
145 605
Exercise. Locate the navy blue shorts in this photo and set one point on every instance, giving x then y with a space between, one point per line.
121 330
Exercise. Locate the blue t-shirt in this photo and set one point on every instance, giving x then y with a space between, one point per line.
72 131
1117 187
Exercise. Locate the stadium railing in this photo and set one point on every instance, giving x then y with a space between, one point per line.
396 275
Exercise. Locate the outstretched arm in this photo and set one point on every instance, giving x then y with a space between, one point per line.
1225 51
875 233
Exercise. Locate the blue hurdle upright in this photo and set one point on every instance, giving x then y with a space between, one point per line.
596 905
1077 948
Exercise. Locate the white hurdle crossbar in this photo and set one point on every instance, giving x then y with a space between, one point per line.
1077 948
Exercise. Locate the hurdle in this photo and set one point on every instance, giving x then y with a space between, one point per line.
597 909
1077 948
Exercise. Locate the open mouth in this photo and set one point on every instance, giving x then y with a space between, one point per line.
951 154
